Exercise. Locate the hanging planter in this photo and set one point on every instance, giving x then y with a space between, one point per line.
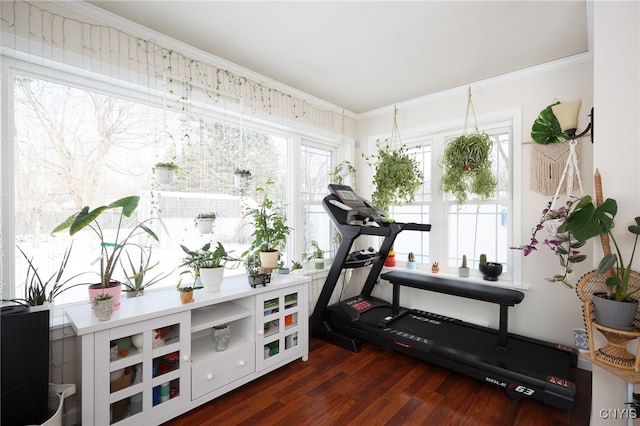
398 175
467 164
165 173
204 222
241 179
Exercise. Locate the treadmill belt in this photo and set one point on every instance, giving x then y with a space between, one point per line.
462 340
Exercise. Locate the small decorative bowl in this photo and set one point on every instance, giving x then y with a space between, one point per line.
491 271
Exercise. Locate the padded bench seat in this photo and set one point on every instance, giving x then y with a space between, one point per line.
460 288
504 297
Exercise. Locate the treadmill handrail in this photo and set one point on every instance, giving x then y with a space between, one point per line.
470 290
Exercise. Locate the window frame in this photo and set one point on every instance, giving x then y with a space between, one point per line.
439 203
84 80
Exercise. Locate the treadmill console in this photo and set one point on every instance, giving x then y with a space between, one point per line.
357 206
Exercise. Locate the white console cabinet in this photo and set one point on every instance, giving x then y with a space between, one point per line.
170 364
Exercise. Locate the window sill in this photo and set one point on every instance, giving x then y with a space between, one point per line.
474 276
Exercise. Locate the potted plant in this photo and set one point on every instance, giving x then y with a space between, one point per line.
316 254
435 267
256 275
103 306
397 175
165 172
186 293
585 221
467 167
204 222
342 170
270 230
411 261
562 244
42 292
110 247
138 277
209 264
241 178
463 270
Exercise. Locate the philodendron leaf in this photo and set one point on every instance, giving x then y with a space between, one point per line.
546 128
587 220
635 229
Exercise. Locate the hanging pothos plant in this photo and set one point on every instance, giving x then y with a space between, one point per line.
467 164
398 174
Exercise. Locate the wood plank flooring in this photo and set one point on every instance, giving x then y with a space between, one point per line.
378 387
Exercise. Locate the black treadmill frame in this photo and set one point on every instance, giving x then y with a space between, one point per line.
554 391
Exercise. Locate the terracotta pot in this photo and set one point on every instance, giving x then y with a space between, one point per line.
186 297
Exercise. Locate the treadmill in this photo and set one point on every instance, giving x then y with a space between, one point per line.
524 367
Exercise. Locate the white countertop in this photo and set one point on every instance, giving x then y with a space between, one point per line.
167 302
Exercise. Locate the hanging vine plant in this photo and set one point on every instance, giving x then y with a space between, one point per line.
398 174
467 164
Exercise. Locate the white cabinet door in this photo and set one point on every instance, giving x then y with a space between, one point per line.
282 326
151 378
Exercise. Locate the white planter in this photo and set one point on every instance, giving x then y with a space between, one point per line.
103 309
205 226
211 279
269 259
165 176
240 182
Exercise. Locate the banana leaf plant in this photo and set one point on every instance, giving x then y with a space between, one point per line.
110 250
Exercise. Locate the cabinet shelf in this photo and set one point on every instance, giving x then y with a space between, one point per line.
211 316
205 348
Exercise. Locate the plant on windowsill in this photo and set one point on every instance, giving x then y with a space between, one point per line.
103 306
186 293
208 265
397 175
41 292
256 275
270 230
316 255
110 250
463 270
138 277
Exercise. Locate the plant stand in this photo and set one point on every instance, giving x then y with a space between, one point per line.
615 352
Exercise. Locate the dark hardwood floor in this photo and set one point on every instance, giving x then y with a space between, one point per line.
378 387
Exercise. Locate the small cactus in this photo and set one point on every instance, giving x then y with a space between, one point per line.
464 261
411 257
483 259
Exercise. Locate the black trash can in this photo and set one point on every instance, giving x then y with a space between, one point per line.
24 356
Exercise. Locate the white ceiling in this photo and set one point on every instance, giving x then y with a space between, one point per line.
364 55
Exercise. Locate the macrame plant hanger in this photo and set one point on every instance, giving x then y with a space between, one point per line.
571 171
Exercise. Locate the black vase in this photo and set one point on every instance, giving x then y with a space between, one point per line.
491 270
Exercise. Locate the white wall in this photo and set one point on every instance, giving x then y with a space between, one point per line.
549 310
617 147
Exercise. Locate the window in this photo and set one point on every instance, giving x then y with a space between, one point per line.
479 226
317 163
74 146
